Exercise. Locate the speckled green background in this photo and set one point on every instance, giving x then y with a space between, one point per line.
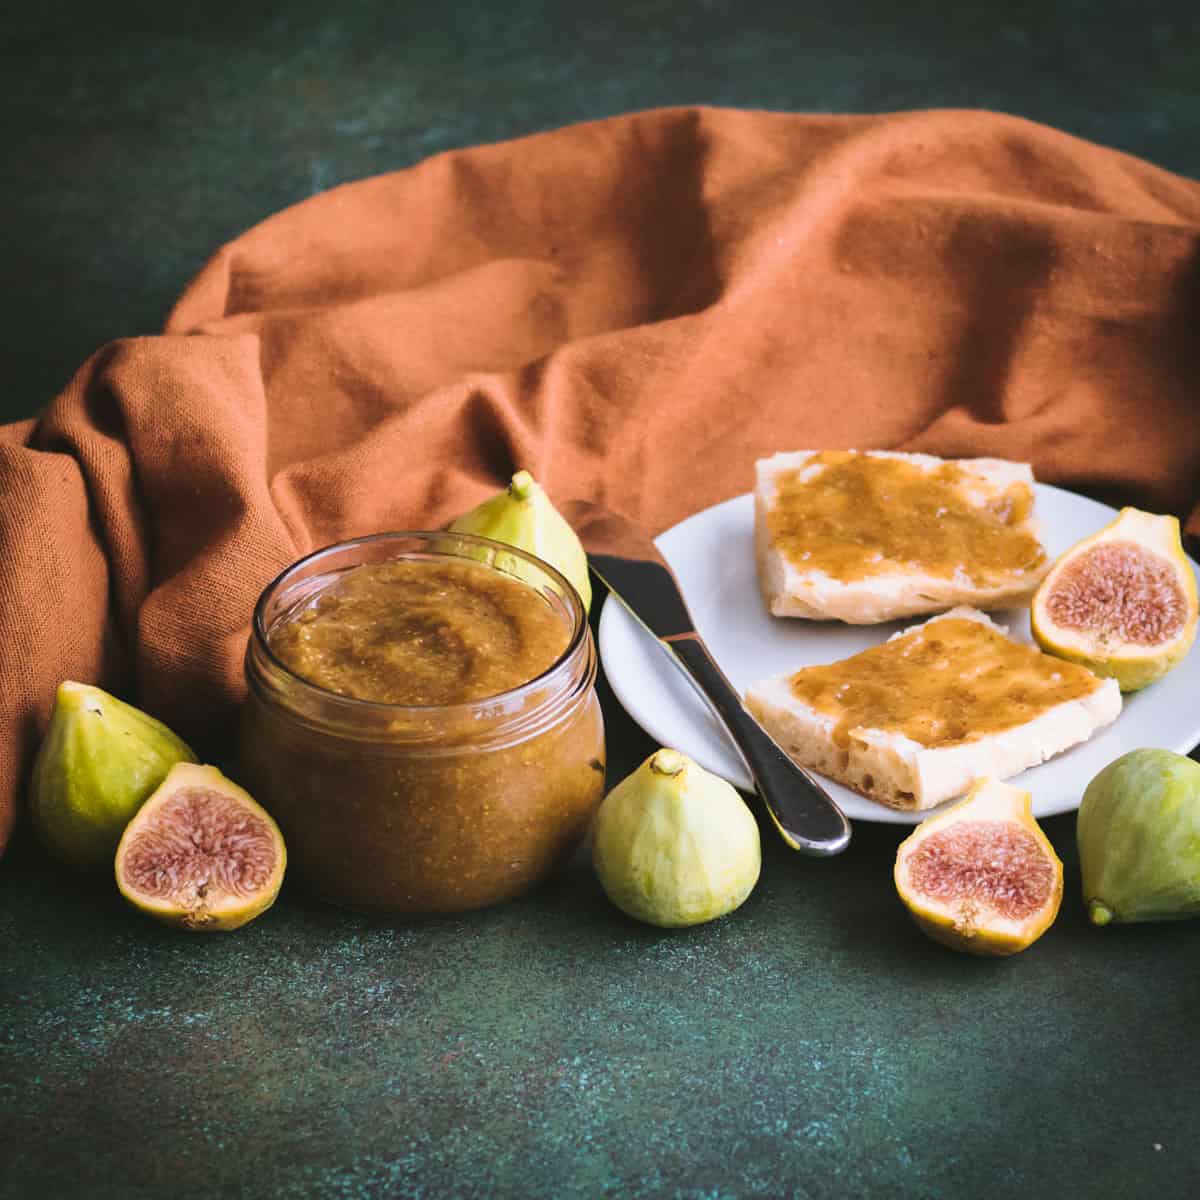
814 1044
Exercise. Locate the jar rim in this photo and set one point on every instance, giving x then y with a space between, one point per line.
574 602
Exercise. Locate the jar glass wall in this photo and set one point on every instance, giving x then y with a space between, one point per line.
423 808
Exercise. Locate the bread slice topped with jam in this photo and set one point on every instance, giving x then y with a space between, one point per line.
913 721
873 535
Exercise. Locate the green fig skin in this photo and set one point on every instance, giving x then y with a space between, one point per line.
1138 833
522 515
98 762
674 845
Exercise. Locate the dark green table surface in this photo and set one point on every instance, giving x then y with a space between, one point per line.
814 1043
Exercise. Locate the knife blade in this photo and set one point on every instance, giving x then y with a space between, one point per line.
636 574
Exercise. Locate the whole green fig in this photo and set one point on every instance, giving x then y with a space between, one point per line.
99 761
675 845
522 515
1139 839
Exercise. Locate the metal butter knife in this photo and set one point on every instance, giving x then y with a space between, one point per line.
630 566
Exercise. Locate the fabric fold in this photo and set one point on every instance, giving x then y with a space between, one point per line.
635 309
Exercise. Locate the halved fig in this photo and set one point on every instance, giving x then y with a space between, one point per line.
982 876
201 853
1122 602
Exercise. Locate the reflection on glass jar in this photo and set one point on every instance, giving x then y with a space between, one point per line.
437 798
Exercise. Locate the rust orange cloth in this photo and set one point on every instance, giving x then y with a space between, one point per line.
634 309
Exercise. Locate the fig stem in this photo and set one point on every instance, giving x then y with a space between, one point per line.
1099 912
666 762
522 485
73 696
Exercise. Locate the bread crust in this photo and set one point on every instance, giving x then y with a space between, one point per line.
891 768
790 591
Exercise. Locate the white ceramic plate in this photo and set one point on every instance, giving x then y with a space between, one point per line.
713 556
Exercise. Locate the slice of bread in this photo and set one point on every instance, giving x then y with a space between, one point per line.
869 536
914 721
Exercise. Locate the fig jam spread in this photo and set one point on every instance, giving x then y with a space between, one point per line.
421 632
481 759
857 515
950 681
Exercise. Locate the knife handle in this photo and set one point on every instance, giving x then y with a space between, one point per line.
806 817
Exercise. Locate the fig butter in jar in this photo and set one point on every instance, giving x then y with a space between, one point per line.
421 720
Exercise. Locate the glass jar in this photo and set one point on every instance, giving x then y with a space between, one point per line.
423 809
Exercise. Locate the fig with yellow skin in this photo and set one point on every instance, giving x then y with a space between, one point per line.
522 515
1122 602
1139 839
982 876
99 760
201 854
674 845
